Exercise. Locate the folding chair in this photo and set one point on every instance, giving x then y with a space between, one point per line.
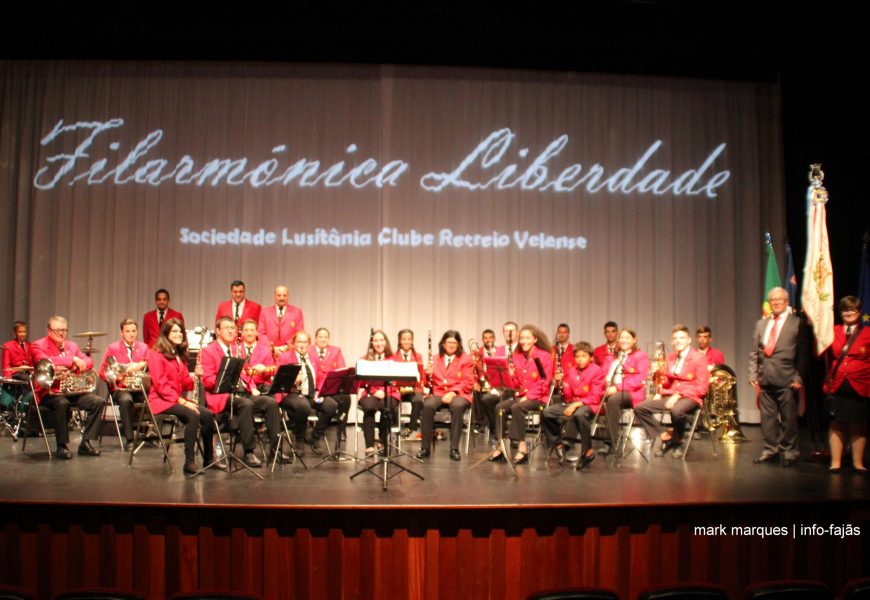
154 426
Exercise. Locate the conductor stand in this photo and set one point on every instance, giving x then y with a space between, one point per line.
338 382
388 373
226 382
498 375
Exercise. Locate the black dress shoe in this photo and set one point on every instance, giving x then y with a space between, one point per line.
766 458
585 461
314 443
664 448
861 470
424 453
455 455
833 469
252 461
85 449
496 457
521 458
190 467
559 451
63 452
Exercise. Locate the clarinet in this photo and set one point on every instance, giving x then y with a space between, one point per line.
559 352
430 376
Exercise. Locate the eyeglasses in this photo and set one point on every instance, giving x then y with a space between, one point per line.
59 331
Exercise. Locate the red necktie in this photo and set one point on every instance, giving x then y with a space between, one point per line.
771 339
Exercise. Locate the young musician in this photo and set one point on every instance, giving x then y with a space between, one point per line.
626 373
239 308
530 373
280 322
714 357
300 403
372 397
16 352
327 358
685 384
153 320
563 348
582 387
609 347
410 393
452 382
167 364
132 354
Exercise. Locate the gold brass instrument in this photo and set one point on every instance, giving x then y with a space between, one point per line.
721 405
659 372
118 377
479 368
43 373
72 382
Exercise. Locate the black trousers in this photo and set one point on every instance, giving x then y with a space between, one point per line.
518 410
245 407
59 406
580 423
488 403
194 423
615 404
779 421
126 400
299 407
416 400
680 411
457 408
370 405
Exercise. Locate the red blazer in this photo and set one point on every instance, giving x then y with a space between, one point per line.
14 356
260 355
636 369
251 311
421 370
527 380
150 327
45 348
169 380
600 354
458 377
370 387
567 359
586 386
502 350
713 356
211 357
693 380
332 361
855 366
119 351
279 334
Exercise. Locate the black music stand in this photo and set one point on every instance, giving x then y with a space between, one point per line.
226 382
388 373
340 381
284 382
497 373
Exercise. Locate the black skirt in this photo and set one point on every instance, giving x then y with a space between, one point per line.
846 406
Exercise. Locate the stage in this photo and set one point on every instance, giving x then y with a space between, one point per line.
462 532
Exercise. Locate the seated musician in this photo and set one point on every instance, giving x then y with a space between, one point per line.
610 346
410 393
300 403
132 354
490 400
170 380
582 388
452 382
16 352
681 392
562 355
704 336
327 358
243 405
67 359
530 372
371 396
625 380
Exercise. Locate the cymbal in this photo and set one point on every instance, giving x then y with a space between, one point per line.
90 334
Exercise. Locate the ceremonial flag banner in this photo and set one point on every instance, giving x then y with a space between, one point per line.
791 279
818 285
864 283
771 275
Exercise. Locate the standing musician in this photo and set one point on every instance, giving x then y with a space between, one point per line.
489 400
244 405
66 357
239 308
682 389
626 374
563 348
531 372
305 398
609 347
481 386
410 393
279 323
327 358
132 353
452 382
167 364
582 387
714 357
16 352
153 321
371 397
848 386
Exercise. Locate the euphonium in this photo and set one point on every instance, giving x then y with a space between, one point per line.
117 376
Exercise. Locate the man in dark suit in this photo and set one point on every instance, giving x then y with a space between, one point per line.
777 367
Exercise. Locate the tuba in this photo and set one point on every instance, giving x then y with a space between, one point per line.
721 405
118 377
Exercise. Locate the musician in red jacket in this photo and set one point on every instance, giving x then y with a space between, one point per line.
239 308
452 383
66 356
610 347
170 381
279 323
489 401
582 388
372 397
130 353
704 336
625 379
153 320
410 393
327 358
531 373
16 352
682 392
848 385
